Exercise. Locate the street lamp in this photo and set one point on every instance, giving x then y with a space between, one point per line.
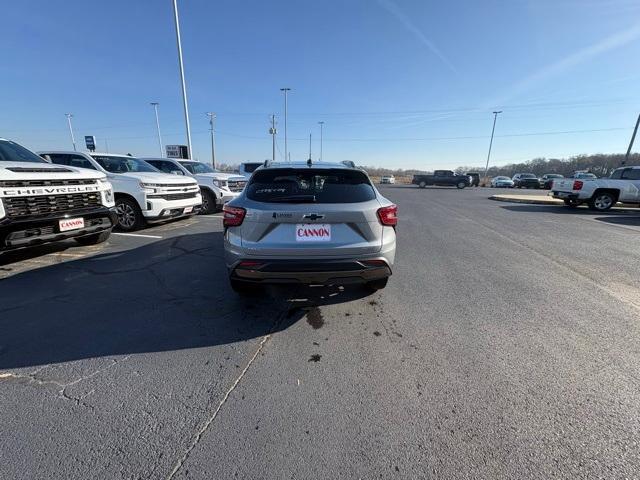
73 140
495 116
286 91
184 86
212 117
155 107
321 125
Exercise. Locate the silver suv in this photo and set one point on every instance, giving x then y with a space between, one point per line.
309 223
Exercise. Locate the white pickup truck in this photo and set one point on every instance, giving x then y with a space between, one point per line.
42 203
600 194
217 187
143 194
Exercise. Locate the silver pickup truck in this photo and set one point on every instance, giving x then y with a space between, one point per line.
600 194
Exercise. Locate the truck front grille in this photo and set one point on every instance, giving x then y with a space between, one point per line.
46 204
236 186
175 196
45 183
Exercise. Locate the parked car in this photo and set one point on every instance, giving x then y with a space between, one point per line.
42 203
501 182
475 178
547 180
525 180
246 169
143 194
321 223
600 193
387 179
217 188
442 178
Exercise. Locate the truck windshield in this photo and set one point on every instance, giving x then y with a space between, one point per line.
528 175
289 185
197 167
115 164
12 152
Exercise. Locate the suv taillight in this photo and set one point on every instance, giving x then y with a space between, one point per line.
233 216
577 184
388 215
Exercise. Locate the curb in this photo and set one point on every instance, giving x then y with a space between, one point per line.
533 201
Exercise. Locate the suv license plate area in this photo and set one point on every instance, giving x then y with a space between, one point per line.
313 232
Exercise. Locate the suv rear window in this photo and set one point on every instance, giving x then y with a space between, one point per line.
309 185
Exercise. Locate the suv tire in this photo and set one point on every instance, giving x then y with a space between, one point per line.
94 238
460 185
129 215
422 184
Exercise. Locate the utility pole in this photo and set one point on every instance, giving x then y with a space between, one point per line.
73 140
309 145
633 137
212 117
495 116
184 86
273 132
321 125
286 149
155 108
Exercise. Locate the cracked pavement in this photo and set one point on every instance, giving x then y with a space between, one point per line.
505 346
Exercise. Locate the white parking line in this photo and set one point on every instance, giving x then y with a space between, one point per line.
136 235
219 217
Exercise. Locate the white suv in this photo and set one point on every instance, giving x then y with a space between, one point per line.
143 194
217 187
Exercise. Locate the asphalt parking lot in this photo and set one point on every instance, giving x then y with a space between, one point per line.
505 346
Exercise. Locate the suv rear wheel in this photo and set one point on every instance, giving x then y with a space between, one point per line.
422 184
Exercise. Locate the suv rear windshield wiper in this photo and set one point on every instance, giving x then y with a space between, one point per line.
295 199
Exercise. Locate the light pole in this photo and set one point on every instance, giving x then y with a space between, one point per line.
184 86
273 132
286 92
495 116
321 125
212 117
73 140
155 108
309 146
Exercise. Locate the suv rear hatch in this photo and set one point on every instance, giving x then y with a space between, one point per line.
311 212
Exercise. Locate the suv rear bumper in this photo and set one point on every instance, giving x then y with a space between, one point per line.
311 271
32 231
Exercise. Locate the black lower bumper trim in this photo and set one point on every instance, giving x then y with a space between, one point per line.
311 272
32 231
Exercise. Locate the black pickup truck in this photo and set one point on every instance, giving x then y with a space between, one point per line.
442 178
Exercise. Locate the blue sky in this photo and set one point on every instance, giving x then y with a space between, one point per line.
398 83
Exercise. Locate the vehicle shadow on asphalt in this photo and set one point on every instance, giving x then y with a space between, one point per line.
169 295
562 210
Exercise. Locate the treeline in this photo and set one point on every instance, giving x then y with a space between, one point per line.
600 164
